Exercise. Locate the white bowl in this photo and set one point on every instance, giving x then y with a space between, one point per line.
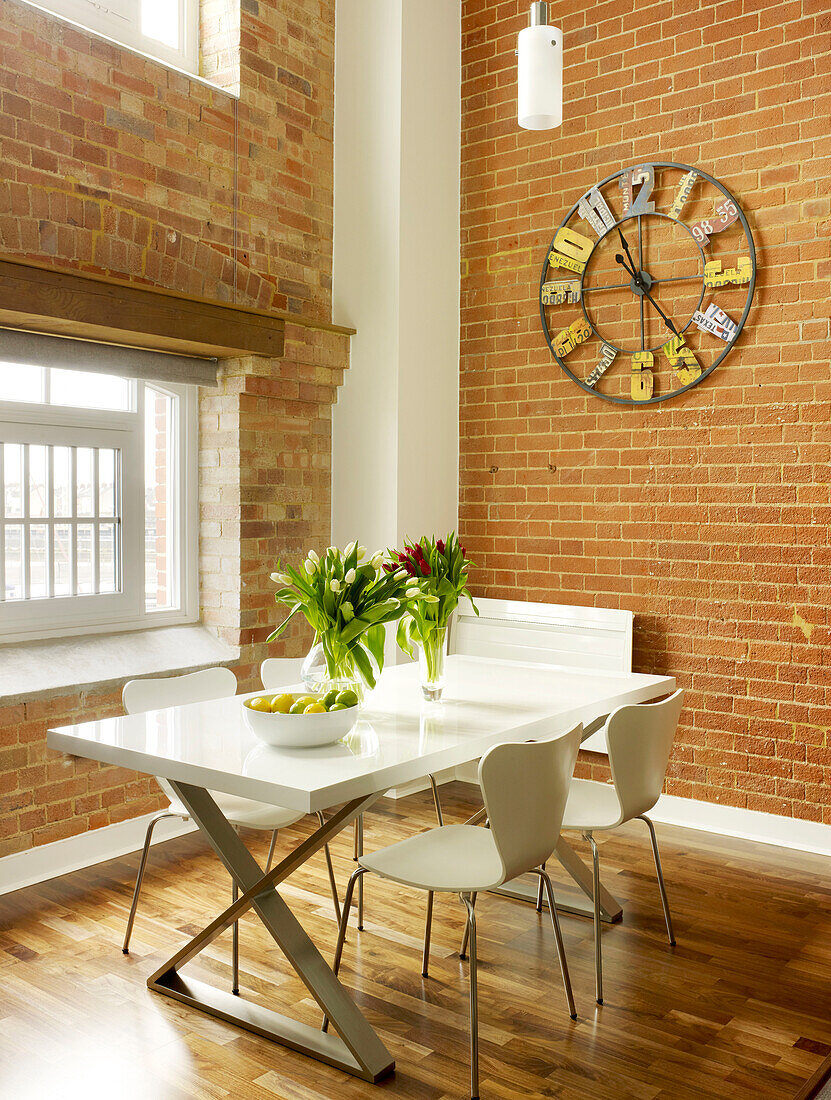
300 730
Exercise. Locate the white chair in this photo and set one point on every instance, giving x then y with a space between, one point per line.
640 739
139 696
525 786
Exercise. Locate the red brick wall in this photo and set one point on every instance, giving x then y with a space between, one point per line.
112 164
708 515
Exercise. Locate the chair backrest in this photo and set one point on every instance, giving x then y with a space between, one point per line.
278 672
640 740
172 691
545 633
525 786
156 693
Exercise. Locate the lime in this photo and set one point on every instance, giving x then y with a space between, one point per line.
298 707
330 697
281 704
348 698
336 706
260 702
315 708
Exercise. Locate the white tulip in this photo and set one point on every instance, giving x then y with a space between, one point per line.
401 573
334 584
350 548
350 576
313 557
310 567
363 554
431 599
413 592
377 558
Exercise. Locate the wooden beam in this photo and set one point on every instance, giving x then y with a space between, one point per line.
62 303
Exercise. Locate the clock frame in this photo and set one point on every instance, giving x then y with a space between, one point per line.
569 256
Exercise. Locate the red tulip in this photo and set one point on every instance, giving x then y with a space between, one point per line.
440 546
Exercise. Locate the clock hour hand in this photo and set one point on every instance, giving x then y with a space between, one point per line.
623 241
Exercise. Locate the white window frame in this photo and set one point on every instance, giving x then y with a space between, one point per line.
31 619
120 21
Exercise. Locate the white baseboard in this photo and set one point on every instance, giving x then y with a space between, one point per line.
709 817
62 856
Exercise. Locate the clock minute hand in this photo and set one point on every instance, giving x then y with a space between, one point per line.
639 283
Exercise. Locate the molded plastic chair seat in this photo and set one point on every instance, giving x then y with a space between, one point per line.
457 859
592 805
246 813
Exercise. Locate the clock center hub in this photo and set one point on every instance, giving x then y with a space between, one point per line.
642 284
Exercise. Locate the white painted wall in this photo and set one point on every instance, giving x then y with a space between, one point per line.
396 268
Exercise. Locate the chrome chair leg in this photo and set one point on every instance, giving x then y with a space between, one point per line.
140 876
428 927
360 823
235 945
436 799
661 887
474 1001
466 936
332 882
539 891
558 939
598 961
271 851
356 876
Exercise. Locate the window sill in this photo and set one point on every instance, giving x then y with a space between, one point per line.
45 669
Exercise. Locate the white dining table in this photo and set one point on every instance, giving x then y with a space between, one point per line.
398 738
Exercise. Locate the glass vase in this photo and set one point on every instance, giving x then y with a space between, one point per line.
319 679
431 662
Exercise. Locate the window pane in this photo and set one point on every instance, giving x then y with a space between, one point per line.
38 561
88 390
160 21
158 518
13 479
84 552
62 475
106 482
106 557
63 559
38 483
14 561
21 383
83 484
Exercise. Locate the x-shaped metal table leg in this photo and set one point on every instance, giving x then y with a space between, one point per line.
356 1048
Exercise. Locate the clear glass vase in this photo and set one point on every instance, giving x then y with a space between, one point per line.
431 662
318 678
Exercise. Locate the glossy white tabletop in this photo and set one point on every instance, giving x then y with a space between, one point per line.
399 737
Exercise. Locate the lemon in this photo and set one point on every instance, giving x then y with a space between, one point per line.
330 697
260 702
348 698
298 707
281 704
305 699
315 708
336 706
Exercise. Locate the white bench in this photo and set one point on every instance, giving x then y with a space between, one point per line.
546 633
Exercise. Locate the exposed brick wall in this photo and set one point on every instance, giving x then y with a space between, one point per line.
112 164
707 516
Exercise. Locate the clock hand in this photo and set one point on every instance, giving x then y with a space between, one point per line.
639 283
626 249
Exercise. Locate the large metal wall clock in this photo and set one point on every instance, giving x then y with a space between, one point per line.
647 283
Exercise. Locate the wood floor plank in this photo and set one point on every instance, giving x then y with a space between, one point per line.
740 1008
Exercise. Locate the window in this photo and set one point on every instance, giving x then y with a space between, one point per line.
97 502
164 29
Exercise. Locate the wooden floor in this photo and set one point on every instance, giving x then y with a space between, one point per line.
740 1008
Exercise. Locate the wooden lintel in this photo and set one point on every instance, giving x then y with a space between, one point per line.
37 298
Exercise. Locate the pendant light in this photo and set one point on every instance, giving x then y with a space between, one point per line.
540 73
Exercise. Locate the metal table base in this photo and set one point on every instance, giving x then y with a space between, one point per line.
356 1048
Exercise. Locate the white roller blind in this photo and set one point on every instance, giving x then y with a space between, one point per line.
18 346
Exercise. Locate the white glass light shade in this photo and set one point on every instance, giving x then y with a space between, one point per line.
540 78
